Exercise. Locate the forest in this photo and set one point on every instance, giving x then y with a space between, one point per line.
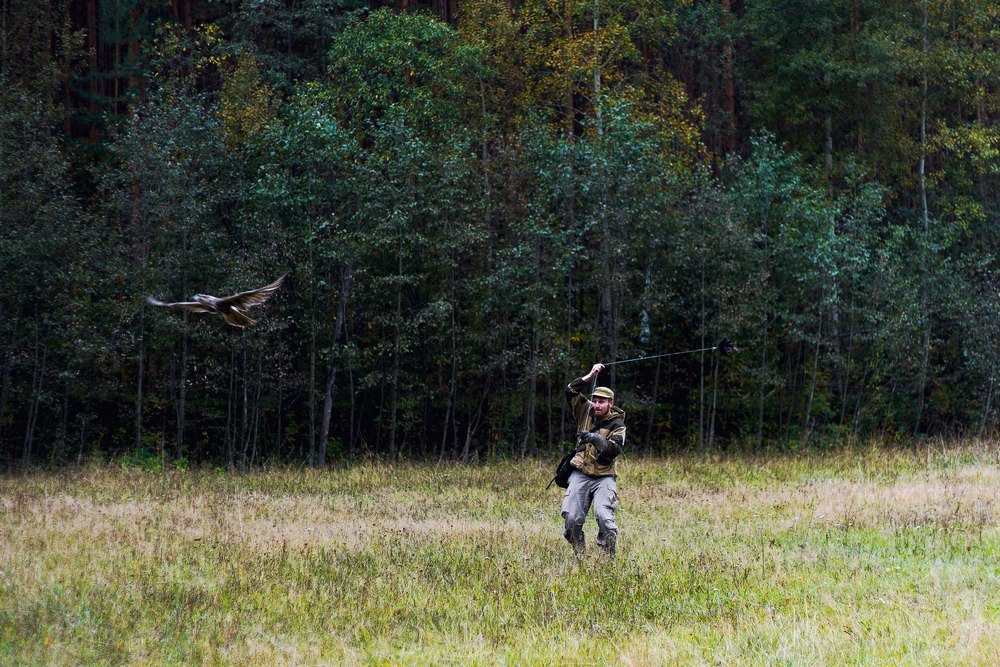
476 200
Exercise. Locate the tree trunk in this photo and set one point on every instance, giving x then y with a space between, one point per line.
5 375
450 408
715 394
474 421
528 443
244 412
759 435
550 436
231 411
350 388
37 377
138 378
396 352
331 378
312 359
62 435
83 439
701 367
989 400
182 383
843 370
569 337
255 429
806 430
278 433
924 297
182 392
652 414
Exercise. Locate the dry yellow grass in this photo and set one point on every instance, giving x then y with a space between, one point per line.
875 557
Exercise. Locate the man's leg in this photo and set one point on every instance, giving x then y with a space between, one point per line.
575 505
605 504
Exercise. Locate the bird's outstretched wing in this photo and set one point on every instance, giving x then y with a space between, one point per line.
253 297
193 306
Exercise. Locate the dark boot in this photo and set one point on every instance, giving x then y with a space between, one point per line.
609 545
578 542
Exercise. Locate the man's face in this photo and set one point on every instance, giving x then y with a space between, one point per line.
602 406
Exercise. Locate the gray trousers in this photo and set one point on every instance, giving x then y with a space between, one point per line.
583 491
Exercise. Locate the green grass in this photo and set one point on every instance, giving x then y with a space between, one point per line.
846 558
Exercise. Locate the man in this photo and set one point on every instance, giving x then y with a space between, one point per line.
600 438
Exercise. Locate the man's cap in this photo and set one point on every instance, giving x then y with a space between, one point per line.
603 392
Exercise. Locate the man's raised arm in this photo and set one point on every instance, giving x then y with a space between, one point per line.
574 387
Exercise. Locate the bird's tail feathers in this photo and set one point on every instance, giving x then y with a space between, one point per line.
238 319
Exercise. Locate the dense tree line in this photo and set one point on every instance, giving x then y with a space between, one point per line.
476 200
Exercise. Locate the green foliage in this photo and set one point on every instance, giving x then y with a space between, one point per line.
141 459
390 67
470 215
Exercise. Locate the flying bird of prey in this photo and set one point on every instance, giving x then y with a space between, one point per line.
232 308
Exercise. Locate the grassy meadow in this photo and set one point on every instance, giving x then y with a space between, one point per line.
849 558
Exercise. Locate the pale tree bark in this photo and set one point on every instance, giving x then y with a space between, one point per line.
37 378
449 413
312 359
474 420
924 297
84 420
701 368
806 429
989 399
251 410
346 278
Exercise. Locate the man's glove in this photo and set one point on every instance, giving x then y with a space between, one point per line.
603 447
606 450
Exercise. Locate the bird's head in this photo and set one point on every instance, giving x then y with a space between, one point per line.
204 299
